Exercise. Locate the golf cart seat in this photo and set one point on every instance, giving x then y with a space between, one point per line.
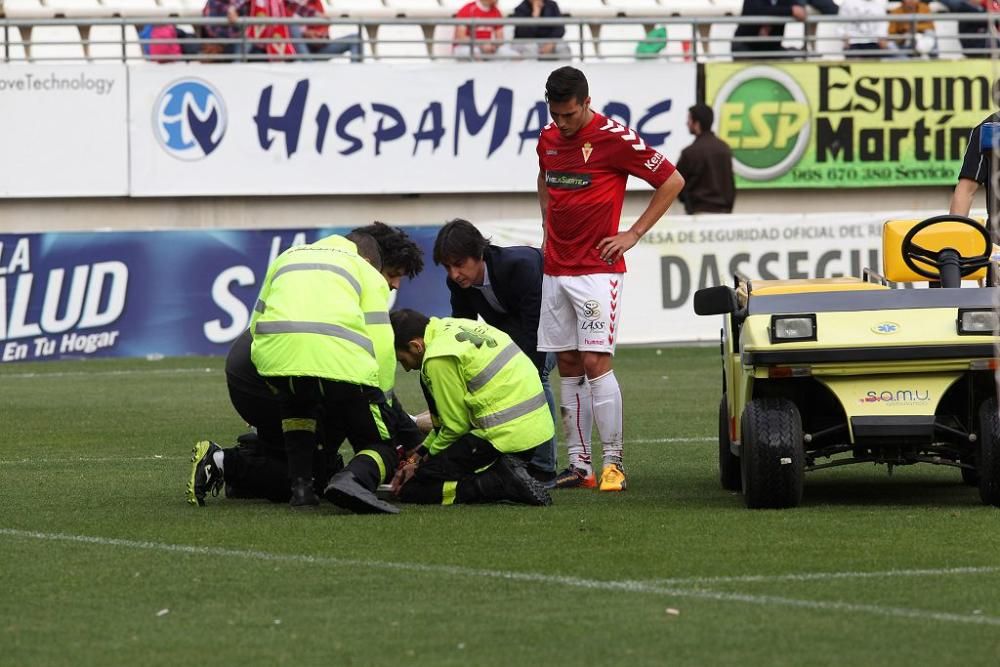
962 237
804 285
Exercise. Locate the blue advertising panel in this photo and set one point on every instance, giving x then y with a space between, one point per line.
150 294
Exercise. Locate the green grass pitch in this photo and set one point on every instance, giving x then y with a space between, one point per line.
102 562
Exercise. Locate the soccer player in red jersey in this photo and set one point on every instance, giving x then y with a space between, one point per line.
584 161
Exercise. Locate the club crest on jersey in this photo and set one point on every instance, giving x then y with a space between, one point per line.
587 150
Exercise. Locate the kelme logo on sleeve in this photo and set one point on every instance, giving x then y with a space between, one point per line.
764 117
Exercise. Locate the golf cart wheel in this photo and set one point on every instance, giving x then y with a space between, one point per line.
729 465
772 454
989 453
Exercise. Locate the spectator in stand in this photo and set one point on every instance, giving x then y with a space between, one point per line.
269 40
913 37
864 37
316 44
230 9
707 167
480 42
766 38
822 6
165 42
973 35
542 42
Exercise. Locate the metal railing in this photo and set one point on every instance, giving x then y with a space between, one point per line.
689 38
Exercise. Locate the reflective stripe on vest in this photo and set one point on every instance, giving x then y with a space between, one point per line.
316 266
316 328
511 413
260 306
483 377
377 318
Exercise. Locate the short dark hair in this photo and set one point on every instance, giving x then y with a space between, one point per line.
457 240
566 83
703 115
407 324
367 247
397 248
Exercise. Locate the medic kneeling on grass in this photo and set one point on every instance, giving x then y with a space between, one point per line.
488 412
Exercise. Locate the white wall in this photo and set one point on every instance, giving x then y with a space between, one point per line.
38 215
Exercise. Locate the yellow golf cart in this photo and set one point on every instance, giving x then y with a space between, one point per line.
833 371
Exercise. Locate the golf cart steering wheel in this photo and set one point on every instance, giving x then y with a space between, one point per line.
912 253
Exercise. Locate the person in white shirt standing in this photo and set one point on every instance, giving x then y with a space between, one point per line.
867 36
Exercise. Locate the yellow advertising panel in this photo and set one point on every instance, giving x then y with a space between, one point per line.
848 124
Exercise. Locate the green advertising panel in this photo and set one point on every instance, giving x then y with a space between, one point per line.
847 124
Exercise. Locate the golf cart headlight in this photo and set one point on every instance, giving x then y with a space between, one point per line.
978 321
793 327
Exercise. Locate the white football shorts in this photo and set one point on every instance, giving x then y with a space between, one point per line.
580 312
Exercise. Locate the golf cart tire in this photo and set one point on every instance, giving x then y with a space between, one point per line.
772 454
729 464
989 453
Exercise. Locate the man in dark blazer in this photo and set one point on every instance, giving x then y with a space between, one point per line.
504 287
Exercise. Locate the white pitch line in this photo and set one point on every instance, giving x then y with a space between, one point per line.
670 440
152 371
833 605
92 459
630 586
823 576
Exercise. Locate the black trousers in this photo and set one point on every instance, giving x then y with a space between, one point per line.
300 430
257 468
264 414
449 476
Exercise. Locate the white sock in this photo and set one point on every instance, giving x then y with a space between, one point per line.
578 420
218 457
608 415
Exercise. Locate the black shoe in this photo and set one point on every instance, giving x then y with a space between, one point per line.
303 495
508 480
346 492
541 475
206 477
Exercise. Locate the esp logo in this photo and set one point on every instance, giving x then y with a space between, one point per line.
764 117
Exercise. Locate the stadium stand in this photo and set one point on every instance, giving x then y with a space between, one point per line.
27 9
136 8
421 30
53 43
79 8
106 43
